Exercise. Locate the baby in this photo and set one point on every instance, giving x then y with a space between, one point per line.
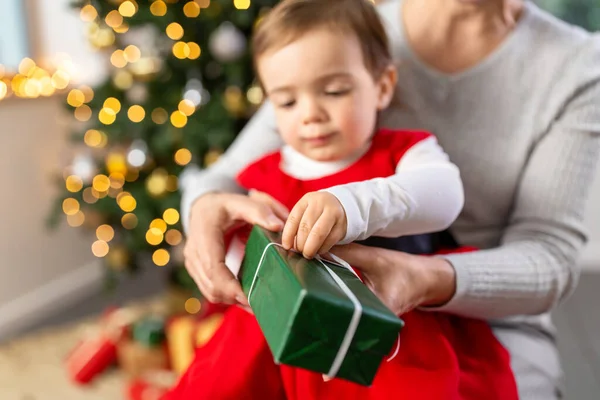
326 68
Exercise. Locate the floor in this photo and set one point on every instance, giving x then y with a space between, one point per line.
578 322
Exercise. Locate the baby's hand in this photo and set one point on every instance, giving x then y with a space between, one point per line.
317 223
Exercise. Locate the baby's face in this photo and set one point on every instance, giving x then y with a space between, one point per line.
326 100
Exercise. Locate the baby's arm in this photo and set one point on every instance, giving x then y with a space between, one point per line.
425 195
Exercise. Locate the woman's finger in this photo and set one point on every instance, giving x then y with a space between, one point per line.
365 258
243 208
277 207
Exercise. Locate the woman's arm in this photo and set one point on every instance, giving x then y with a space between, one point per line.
535 267
258 138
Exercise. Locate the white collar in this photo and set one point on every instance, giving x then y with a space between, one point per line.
299 166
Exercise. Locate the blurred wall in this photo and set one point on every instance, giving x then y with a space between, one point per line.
39 270
42 271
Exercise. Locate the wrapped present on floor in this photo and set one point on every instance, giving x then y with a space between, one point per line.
144 349
316 314
186 333
98 350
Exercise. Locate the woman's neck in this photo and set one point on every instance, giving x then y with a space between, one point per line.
452 35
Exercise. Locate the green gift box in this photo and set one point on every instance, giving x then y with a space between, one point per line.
316 314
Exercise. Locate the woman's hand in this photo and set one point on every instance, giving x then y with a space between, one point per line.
402 281
212 215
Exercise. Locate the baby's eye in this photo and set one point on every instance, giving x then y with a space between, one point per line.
287 104
337 92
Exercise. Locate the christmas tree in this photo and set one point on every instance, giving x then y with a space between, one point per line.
180 87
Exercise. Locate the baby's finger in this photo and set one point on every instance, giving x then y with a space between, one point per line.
332 239
309 219
319 234
291 225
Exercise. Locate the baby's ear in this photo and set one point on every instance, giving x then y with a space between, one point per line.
387 86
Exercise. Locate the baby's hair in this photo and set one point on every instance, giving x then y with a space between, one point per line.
290 19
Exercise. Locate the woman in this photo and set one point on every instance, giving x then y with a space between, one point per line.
513 96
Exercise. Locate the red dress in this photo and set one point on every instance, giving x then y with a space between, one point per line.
441 357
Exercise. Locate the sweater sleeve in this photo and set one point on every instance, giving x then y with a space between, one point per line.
258 138
425 195
535 266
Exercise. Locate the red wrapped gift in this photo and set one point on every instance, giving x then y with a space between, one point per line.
96 352
152 386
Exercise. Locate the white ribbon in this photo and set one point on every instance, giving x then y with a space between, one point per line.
356 314
343 263
354 321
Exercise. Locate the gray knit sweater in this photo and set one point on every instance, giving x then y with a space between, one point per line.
523 126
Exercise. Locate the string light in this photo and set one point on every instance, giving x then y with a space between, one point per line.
183 157
117 180
136 113
88 13
186 107
101 183
100 248
129 221
113 19
132 53
255 95
116 163
121 28
171 216
159 116
132 175
74 183
154 236
172 183
193 305
158 8
94 138
60 79
70 206
88 196
113 104
126 201
159 224
203 3
174 31
178 119
88 93
76 219
107 116
173 237
161 257
241 4
83 113
194 50
156 183
123 79
191 9
127 8
181 50
118 59
105 233
99 195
